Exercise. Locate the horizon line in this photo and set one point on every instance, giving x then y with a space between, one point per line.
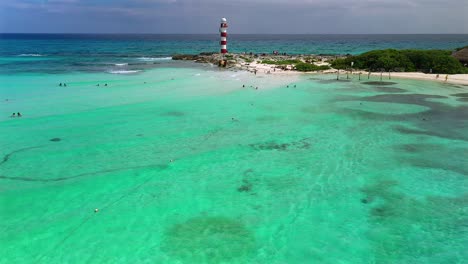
129 33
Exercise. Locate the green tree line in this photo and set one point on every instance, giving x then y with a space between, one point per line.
439 61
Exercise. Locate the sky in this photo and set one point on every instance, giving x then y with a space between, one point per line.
244 16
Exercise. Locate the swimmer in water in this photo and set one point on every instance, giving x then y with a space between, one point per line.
13 115
19 114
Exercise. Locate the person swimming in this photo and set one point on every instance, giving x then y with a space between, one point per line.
13 115
19 114
60 84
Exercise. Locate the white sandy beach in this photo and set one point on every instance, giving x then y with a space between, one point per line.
265 69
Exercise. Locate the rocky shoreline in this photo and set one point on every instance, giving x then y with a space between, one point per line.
280 64
244 60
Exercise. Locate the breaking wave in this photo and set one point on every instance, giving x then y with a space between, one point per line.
30 55
154 59
124 72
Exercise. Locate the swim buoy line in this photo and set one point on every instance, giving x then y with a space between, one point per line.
69 234
131 191
90 216
7 156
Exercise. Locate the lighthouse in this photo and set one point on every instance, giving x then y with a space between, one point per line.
223 31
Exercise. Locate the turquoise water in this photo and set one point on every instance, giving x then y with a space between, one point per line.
66 53
324 172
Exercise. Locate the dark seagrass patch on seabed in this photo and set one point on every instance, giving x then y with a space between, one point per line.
272 145
55 139
460 95
174 113
416 148
430 156
443 120
388 205
389 89
215 239
246 186
379 83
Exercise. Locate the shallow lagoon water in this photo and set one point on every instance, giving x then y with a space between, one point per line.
327 172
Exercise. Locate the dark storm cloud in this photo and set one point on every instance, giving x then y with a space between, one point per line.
245 16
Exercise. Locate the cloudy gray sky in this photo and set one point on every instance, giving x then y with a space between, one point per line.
244 16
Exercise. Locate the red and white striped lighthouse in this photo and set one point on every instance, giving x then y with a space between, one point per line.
223 31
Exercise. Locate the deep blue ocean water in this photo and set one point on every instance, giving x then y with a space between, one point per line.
57 53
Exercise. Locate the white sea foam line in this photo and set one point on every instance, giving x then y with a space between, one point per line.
30 55
154 59
121 64
123 72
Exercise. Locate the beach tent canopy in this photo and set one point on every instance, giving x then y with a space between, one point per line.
461 55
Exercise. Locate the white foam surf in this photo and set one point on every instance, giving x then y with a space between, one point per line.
124 72
30 55
154 59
